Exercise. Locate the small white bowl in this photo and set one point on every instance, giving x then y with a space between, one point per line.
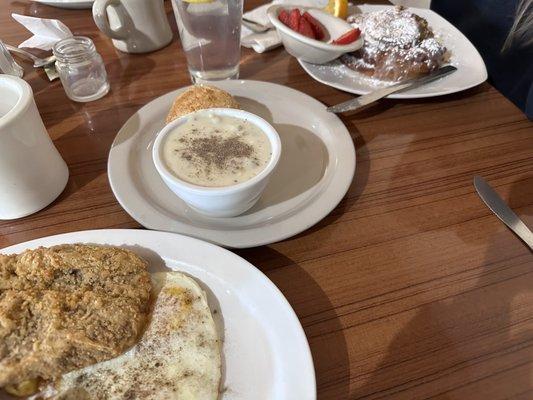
311 50
225 201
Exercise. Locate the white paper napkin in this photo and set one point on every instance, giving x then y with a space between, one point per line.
265 41
46 32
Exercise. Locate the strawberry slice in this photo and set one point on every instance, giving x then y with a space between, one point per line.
349 37
306 29
283 16
317 28
294 19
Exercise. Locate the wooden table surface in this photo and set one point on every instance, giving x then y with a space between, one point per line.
410 288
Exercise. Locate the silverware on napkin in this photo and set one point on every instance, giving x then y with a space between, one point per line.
37 61
47 63
502 210
371 97
255 27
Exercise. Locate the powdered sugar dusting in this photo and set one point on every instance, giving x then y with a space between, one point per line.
389 28
398 45
338 71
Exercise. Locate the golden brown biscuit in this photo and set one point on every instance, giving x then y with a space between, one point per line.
69 306
200 97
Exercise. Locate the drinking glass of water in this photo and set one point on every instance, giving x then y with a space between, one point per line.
210 33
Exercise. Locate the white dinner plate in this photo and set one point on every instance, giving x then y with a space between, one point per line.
314 172
265 351
471 70
70 4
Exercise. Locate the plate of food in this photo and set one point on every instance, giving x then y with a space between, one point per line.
69 4
402 43
134 314
305 173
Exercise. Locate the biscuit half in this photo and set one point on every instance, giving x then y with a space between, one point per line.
200 97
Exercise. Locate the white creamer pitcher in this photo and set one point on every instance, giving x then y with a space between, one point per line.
32 172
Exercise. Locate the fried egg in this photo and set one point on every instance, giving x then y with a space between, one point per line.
177 357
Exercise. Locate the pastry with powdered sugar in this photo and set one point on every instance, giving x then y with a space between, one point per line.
398 45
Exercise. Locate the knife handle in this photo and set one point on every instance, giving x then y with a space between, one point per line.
523 232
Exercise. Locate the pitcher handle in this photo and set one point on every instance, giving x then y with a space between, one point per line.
102 21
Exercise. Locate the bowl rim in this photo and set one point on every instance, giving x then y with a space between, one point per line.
272 13
166 174
25 95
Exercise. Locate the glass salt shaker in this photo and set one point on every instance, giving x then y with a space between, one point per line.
81 69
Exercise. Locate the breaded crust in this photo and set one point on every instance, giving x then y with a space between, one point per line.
200 97
177 358
68 306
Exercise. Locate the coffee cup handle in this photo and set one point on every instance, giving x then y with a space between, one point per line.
102 21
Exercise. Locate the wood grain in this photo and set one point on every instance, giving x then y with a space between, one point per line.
410 288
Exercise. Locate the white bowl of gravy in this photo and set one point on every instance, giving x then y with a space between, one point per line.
217 160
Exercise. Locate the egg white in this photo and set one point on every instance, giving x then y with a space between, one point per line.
177 357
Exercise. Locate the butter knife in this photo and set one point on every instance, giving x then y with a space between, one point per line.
371 97
502 210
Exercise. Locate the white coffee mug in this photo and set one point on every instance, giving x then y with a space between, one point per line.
136 26
32 172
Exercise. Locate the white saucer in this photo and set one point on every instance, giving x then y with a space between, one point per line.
471 70
265 352
315 170
70 4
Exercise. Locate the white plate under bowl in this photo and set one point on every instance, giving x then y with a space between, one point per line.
314 172
471 70
69 4
265 351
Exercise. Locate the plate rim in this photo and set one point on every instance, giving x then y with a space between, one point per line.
140 236
238 238
408 95
84 4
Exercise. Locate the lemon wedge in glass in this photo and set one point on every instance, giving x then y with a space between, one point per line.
338 8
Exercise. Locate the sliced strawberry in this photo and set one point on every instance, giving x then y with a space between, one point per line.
306 29
317 28
349 37
294 19
283 16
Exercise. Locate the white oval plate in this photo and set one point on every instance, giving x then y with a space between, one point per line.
69 4
265 351
314 172
471 70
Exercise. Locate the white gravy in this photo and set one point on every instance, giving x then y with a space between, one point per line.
216 150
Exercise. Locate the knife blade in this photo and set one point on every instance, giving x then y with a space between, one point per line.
502 210
371 97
